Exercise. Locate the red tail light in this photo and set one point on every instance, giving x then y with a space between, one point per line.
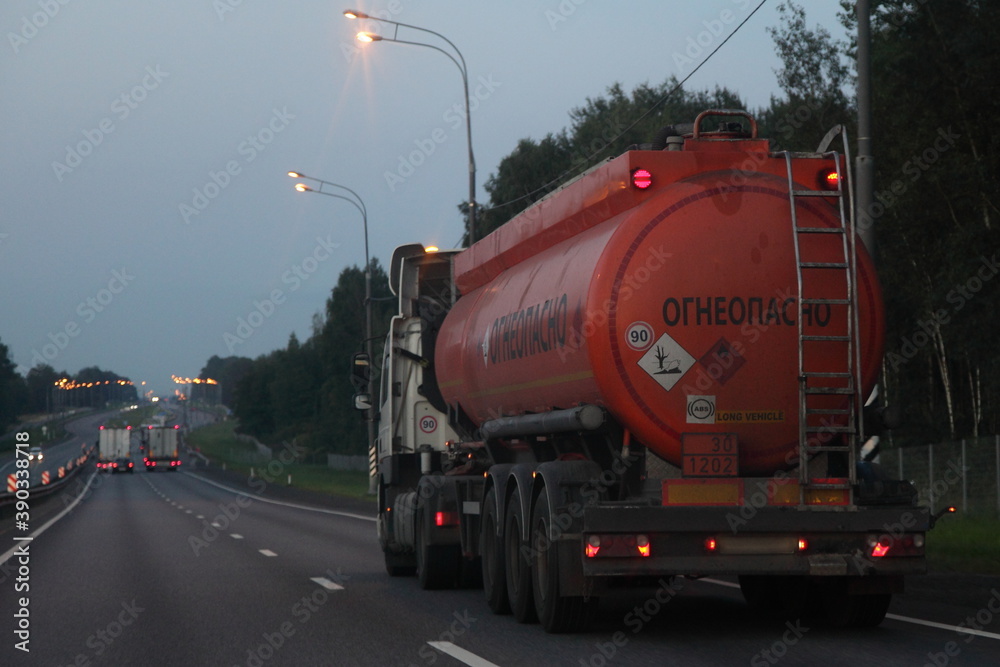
642 178
593 546
642 545
445 519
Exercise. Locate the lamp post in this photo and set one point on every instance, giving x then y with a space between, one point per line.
359 204
460 63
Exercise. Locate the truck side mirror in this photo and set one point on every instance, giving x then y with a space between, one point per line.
362 402
361 370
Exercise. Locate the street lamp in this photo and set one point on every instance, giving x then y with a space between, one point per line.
359 204
460 63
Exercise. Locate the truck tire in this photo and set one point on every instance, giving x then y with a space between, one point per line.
491 549
518 566
437 564
778 596
557 613
853 611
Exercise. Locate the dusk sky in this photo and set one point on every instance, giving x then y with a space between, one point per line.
146 211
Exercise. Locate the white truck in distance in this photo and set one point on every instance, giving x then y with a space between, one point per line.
161 448
114 447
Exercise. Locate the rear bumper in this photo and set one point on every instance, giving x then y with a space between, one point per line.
768 541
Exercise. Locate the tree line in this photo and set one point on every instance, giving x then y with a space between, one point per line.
303 392
44 390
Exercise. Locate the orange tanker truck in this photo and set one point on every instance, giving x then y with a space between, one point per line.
659 370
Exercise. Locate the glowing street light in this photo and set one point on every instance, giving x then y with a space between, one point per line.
368 37
359 204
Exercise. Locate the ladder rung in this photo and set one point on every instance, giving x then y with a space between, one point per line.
813 374
823 265
816 193
820 230
828 411
829 302
828 339
845 391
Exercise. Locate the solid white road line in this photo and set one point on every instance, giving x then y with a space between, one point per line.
69 508
942 626
281 502
461 654
895 617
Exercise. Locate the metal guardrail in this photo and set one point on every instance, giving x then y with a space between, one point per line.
44 490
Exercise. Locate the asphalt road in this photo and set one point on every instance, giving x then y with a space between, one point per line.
186 569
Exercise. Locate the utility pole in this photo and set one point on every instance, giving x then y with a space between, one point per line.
865 161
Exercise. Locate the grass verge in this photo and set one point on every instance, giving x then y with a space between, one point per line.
968 544
219 443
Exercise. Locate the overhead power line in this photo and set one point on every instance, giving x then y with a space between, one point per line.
561 177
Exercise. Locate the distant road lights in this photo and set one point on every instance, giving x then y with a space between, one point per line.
368 37
302 187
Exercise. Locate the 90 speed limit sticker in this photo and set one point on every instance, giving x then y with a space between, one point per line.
639 336
428 424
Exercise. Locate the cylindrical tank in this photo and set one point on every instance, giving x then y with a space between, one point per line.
678 315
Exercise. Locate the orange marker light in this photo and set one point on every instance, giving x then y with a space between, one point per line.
830 179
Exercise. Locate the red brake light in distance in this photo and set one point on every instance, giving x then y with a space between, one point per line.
642 178
830 179
711 544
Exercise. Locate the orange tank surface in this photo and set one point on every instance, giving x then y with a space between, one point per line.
675 307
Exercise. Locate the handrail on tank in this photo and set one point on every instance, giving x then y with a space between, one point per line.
724 112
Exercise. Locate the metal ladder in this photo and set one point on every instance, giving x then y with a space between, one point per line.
823 428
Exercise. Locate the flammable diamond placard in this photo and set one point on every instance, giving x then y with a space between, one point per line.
666 361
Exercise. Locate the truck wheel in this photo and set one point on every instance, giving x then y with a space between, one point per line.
492 553
853 611
557 613
777 595
518 566
437 564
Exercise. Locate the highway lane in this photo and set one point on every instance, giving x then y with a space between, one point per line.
82 432
137 574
